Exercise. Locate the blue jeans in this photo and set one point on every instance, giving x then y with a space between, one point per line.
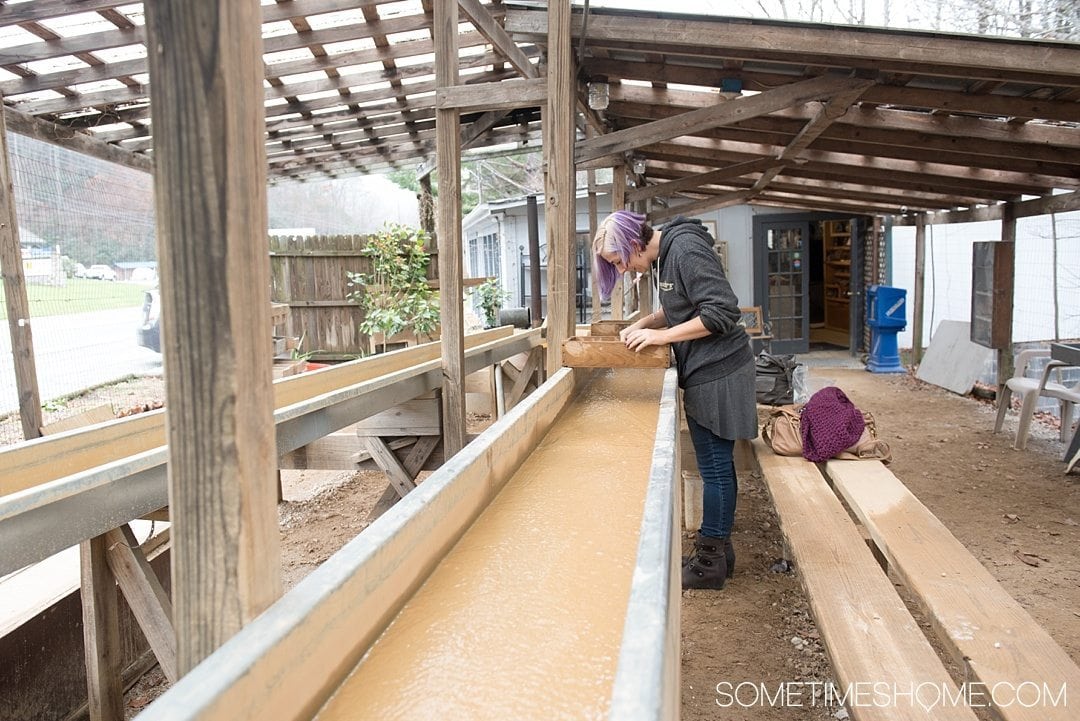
716 463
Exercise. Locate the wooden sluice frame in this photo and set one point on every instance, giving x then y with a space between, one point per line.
287 662
58 491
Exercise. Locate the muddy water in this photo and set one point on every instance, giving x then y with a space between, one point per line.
523 618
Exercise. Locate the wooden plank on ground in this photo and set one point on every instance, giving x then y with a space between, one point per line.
952 361
991 635
89 417
587 352
869 634
147 599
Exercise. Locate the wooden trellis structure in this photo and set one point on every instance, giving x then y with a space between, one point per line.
219 98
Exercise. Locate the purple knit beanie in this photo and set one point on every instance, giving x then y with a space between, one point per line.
830 423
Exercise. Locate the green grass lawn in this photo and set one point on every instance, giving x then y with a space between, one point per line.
79 295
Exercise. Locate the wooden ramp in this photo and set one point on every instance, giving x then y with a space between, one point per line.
995 640
502 587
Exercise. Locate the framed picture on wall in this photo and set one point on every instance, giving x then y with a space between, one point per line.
720 246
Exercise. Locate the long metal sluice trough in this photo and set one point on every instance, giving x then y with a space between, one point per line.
329 648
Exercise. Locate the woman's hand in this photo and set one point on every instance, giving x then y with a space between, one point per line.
638 338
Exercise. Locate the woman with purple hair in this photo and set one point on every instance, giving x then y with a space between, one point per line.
699 317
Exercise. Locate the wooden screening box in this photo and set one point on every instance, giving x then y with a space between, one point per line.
608 327
607 352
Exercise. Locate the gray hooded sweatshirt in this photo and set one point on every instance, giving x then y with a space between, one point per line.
692 284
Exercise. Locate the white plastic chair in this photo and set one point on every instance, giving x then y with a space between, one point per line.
1029 390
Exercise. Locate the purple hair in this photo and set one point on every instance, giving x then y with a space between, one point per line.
622 232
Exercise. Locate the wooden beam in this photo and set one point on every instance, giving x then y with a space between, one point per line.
101 632
691 182
844 46
483 21
506 95
618 202
521 381
1006 361
147 599
48 9
399 478
723 113
30 464
823 118
15 299
708 151
918 307
1000 106
206 70
590 180
80 142
559 193
1061 203
448 222
701 206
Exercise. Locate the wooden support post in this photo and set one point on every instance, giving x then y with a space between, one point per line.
101 633
448 219
427 205
18 306
593 223
597 310
145 596
559 193
1006 362
210 162
618 202
919 305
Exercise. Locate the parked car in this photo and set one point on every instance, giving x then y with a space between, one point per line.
80 270
149 333
101 272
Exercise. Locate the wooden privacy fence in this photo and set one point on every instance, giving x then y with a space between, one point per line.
308 275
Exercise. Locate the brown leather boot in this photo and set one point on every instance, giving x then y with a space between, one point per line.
707 567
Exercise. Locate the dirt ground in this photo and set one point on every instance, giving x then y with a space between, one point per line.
999 502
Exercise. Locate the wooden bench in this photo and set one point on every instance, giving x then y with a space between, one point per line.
868 632
991 636
1007 660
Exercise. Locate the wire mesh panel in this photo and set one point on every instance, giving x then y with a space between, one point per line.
86 231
